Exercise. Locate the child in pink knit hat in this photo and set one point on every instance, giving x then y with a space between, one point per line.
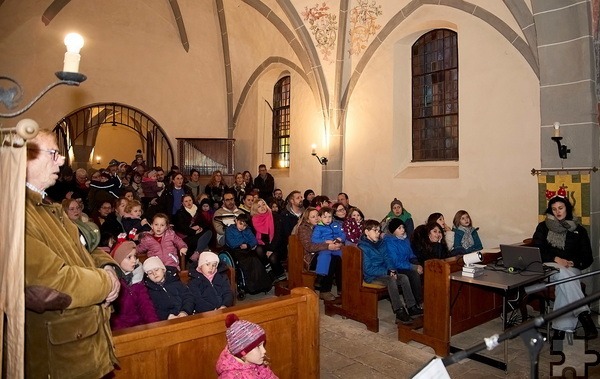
245 355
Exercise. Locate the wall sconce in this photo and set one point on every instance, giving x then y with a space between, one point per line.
11 96
97 159
563 150
322 160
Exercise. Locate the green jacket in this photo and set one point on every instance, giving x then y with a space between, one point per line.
75 342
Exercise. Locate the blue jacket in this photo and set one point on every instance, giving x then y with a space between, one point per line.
400 252
376 260
170 297
322 232
234 238
210 296
458 235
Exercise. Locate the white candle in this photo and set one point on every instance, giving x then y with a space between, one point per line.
314 149
74 43
557 129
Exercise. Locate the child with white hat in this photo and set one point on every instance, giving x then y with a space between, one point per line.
171 298
209 284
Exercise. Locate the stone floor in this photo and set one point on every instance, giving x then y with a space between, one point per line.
349 350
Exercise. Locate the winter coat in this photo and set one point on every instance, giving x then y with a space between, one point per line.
112 225
183 222
352 230
405 216
167 250
458 235
210 296
400 252
234 238
133 306
424 249
171 296
134 223
265 186
74 341
376 259
577 246
304 232
165 201
151 188
230 368
322 232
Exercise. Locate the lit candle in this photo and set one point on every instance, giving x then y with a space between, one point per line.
314 149
557 129
74 43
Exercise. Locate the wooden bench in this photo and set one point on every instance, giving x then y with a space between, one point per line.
189 347
359 299
472 306
297 274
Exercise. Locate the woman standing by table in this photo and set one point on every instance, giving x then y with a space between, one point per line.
565 244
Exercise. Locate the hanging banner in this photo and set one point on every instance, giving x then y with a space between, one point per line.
577 187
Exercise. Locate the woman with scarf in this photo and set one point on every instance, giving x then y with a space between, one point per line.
264 223
397 211
565 244
191 226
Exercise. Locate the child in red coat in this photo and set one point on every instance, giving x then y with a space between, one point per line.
133 306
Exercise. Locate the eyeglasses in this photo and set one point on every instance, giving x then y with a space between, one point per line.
375 230
55 153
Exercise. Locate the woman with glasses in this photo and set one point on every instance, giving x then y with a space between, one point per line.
339 212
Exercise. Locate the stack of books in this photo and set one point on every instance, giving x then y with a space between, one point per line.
473 271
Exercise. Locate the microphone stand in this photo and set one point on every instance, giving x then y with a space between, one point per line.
541 286
532 339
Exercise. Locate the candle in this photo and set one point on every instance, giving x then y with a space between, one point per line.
74 43
314 149
557 129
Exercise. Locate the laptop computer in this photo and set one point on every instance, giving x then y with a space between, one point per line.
522 258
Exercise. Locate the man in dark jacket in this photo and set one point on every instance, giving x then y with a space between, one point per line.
265 183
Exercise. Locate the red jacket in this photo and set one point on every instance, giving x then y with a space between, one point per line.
133 306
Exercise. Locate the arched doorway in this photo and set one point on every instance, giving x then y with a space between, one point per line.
93 135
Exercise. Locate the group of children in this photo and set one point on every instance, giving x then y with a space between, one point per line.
160 294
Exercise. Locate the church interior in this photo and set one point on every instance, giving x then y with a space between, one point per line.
442 104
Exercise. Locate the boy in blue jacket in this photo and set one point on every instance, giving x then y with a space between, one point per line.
406 264
327 231
379 268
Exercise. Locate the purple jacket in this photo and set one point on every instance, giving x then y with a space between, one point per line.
230 368
167 250
133 306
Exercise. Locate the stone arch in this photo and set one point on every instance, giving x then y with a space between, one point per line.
77 132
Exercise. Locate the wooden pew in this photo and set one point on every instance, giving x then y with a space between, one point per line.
359 299
189 347
471 307
297 274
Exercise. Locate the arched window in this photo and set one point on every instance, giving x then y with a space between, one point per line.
280 150
435 96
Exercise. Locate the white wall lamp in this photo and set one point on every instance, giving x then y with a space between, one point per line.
11 95
563 150
322 160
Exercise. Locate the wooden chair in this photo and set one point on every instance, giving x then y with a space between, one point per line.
359 299
298 275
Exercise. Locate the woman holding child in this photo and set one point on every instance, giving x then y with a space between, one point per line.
304 229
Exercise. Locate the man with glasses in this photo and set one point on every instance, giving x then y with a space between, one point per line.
225 216
67 289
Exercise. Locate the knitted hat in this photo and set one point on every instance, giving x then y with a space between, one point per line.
394 224
113 162
121 250
153 263
139 154
207 257
394 202
242 336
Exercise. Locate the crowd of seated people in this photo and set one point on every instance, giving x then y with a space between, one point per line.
172 218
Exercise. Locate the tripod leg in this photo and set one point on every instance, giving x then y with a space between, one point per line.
534 342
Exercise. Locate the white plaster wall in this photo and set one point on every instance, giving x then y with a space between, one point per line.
253 132
499 128
132 55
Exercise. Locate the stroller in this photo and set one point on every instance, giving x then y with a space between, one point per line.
250 274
